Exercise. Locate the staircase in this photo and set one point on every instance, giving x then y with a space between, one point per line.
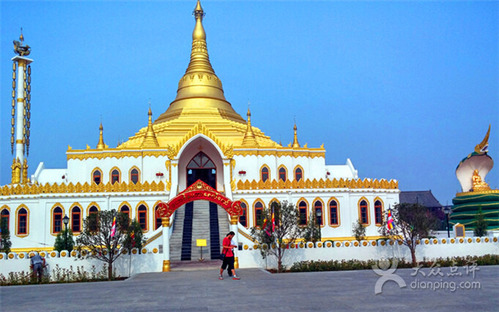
198 220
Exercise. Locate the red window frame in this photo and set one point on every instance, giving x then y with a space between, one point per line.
265 174
318 206
134 176
243 217
76 219
115 176
333 213
97 177
22 221
57 220
282 174
142 217
364 215
5 215
258 214
298 174
378 212
302 211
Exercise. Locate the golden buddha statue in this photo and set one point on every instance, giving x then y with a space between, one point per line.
478 184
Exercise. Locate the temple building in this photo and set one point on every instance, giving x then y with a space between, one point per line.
199 142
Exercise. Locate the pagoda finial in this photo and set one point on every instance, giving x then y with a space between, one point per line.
150 139
200 60
295 140
249 137
101 144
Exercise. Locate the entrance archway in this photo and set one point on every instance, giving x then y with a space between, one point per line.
208 229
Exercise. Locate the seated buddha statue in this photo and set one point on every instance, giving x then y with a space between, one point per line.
478 184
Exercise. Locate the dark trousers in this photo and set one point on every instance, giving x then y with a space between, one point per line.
229 264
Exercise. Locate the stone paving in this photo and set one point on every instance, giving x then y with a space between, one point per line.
200 290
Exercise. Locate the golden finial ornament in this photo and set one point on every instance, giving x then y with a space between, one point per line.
101 144
150 139
20 48
295 140
249 137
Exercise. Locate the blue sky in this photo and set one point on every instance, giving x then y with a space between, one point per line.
403 89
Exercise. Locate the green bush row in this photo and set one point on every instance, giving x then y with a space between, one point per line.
59 275
339 265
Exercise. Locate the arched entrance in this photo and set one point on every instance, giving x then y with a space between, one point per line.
197 192
201 167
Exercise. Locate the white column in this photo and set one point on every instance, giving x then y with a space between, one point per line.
233 227
22 62
166 244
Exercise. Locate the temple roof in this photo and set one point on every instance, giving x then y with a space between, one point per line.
200 100
424 198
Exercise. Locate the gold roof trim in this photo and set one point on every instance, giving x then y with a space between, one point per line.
317 184
113 153
34 189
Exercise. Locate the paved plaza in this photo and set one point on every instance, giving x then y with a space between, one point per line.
200 290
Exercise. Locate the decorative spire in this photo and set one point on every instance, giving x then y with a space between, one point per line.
200 61
150 139
295 140
249 137
101 144
484 145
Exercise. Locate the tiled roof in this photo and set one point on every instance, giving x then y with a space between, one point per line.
424 198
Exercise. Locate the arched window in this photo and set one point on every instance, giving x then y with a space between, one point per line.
243 216
115 176
76 219
333 213
319 212
282 174
265 174
5 218
126 210
363 217
258 213
57 220
92 213
142 217
158 222
22 221
134 176
302 212
298 174
97 177
378 212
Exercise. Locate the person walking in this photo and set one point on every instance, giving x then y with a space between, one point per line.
37 265
228 259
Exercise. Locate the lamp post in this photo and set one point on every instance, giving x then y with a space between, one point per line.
65 220
447 211
318 213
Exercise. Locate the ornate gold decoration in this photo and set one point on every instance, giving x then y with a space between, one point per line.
16 171
101 144
314 184
249 137
483 146
25 171
19 48
295 138
165 221
150 136
310 152
478 184
112 153
70 188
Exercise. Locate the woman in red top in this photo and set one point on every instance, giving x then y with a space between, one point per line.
227 250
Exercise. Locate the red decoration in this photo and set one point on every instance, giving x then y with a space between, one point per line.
242 172
159 174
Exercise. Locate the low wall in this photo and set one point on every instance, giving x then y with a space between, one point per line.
151 260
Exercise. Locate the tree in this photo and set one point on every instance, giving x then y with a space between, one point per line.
5 242
275 237
96 237
135 237
480 224
312 232
64 240
411 223
359 231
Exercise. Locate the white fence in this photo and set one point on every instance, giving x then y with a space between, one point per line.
151 260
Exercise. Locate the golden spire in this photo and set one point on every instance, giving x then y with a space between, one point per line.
484 145
101 144
150 139
249 137
295 140
200 91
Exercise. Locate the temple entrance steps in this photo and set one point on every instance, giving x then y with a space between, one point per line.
198 220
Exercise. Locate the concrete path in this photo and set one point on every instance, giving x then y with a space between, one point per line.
200 290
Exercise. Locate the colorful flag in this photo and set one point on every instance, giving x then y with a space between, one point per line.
113 229
389 221
273 221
